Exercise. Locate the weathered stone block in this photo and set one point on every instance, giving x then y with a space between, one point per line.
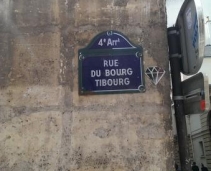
5 59
97 13
117 13
31 143
99 136
35 13
5 19
36 59
31 96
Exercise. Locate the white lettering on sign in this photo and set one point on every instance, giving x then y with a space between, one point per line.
118 72
110 63
100 42
108 42
95 73
110 71
112 82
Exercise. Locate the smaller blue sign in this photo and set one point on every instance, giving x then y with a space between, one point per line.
110 64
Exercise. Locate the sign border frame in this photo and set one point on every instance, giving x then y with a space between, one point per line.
87 53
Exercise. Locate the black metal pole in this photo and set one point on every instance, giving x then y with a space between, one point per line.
175 60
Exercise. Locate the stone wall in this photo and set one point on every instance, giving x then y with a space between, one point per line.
44 123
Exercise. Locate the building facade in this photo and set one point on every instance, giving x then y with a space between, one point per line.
45 124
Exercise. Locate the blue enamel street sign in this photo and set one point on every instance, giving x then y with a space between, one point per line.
110 64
